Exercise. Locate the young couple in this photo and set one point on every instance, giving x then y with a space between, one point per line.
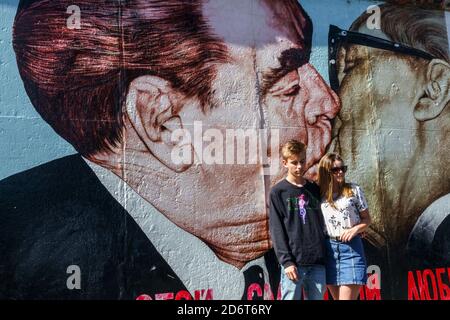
316 229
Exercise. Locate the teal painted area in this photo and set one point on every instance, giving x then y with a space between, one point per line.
25 139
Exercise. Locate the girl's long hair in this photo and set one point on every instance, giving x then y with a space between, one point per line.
326 179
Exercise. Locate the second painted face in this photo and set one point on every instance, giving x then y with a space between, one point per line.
385 147
226 204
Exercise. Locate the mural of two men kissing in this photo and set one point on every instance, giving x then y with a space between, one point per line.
139 225
393 132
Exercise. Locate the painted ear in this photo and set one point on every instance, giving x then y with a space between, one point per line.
152 108
437 91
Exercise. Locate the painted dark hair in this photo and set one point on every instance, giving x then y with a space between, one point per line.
77 79
417 28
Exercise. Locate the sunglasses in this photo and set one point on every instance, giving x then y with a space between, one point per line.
338 38
338 169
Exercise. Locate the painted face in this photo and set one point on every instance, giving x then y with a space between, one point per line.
295 165
379 138
225 203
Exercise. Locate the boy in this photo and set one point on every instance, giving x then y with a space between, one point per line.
296 228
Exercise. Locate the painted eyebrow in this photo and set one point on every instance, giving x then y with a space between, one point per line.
290 60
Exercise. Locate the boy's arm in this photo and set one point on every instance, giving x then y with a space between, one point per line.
278 233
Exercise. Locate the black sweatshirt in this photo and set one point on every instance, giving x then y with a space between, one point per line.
296 224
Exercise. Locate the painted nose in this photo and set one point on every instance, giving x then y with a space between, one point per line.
323 102
322 105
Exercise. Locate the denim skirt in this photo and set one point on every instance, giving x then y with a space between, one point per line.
345 262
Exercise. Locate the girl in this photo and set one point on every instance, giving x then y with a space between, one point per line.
346 216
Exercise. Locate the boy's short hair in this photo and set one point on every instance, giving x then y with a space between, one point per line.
292 148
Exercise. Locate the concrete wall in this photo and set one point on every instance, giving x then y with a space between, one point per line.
201 210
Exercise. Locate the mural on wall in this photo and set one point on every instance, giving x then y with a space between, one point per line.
393 132
128 213
177 110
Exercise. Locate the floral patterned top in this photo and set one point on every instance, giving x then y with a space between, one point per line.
347 213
